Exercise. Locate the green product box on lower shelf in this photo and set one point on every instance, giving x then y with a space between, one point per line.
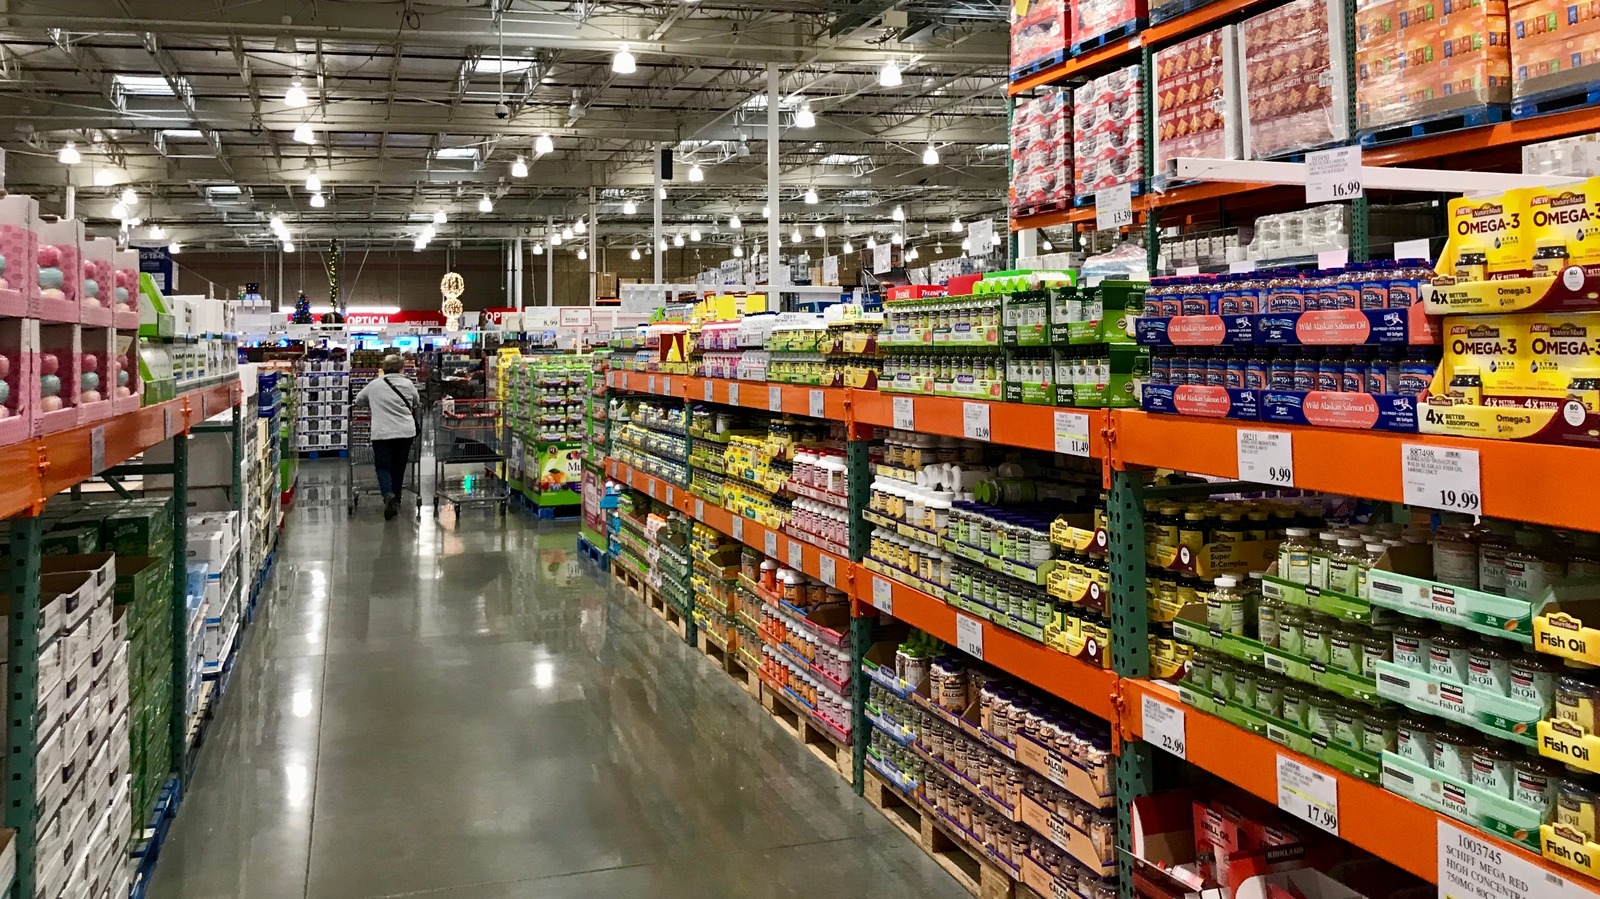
1489 711
1290 736
70 540
1461 800
140 581
138 527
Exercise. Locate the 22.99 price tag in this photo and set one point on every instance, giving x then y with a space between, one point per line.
1165 726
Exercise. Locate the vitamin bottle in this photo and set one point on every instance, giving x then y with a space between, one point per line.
1225 606
1345 565
1455 552
1531 566
1294 556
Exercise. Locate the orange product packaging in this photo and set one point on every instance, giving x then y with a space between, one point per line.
1554 45
1196 90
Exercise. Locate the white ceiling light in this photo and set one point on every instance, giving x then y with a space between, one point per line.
543 144
766 211
820 231
158 233
629 207
582 253
417 245
662 193
734 222
996 239
897 237
174 248
663 244
555 238
439 217
744 146
738 251
566 233
313 180
677 240
930 156
694 234
519 169
303 135
794 236
69 154
623 62
129 198
119 211
872 242
966 243
318 201
889 75
578 227
811 195
295 96
427 233
696 173
538 249
104 178
848 248
956 227
485 204
1048 246
899 214
288 246
938 249
803 117
634 255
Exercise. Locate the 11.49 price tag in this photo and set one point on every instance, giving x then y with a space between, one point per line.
1072 433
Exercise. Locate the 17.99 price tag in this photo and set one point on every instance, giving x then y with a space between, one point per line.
1308 794
1441 477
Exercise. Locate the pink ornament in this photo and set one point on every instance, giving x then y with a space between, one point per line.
48 363
49 256
89 362
5 366
50 403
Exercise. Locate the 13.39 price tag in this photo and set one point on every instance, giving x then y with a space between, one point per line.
1441 477
1113 207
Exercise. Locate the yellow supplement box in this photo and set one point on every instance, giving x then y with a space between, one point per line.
1487 238
1530 250
1529 376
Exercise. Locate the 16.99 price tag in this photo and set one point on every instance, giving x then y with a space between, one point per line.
1308 794
975 421
1441 477
1266 457
1333 175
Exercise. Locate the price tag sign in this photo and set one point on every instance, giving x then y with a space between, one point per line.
667 386
710 389
630 477
825 567
818 405
700 509
652 486
883 596
1239 268
1441 477
1308 794
1266 457
1165 726
651 381
1412 249
1186 270
981 235
969 636
797 556
882 260
774 399
771 544
97 450
669 496
1333 259
738 528
1471 867
1113 207
1333 175
905 414
166 423
975 421
733 394
1072 433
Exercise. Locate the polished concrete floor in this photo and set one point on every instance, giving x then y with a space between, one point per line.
466 712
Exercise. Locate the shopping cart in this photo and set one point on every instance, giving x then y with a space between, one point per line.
467 456
360 477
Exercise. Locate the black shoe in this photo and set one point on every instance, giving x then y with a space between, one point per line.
391 507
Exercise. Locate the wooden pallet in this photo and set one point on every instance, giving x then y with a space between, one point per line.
629 581
740 670
713 647
674 618
793 717
967 864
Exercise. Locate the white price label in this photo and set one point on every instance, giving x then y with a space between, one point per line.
1333 259
1308 794
1113 207
97 450
166 423
652 486
733 394
1266 457
1184 271
1241 267
1471 867
770 544
980 234
1333 175
969 636
738 528
1165 726
666 386
774 399
710 389
905 414
883 596
818 404
882 258
1072 433
700 509
630 477
797 556
975 421
826 570
651 382
1412 249
669 496
1441 477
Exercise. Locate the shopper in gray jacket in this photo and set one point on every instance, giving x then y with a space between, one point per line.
393 402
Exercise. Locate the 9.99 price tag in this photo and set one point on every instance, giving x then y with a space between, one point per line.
1266 457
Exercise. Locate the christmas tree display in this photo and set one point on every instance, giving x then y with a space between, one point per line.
302 309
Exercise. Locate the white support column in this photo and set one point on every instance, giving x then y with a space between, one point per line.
71 203
549 265
594 247
516 274
774 224
655 233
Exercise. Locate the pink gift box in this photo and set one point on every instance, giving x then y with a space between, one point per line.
60 346
60 263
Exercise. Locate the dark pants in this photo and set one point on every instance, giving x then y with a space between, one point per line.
390 458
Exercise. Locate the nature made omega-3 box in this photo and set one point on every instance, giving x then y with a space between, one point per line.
1522 376
1488 239
1563 226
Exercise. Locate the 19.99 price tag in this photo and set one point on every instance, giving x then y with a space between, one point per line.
1164 726
883 596
969 636
1072 433
1441 477
1308 794
818 404
770 544
905 415
733 394
1266 457
797 556
774 399
975 421
826 570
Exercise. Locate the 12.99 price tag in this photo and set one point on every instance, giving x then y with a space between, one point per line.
1441 477
1308 794
969 636
975 421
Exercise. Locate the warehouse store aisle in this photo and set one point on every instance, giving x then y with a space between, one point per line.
464 713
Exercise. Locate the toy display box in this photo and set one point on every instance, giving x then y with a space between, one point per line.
19 251
1294 90
60 269
1197 98
1414 67
98 283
